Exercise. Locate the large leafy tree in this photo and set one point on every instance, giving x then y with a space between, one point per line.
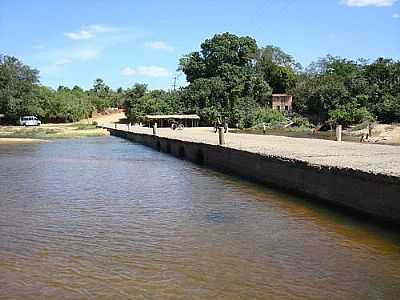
221 76
222 49
100 95
17 84
132 105
140 102
277 68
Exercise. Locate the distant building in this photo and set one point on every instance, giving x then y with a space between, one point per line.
282 102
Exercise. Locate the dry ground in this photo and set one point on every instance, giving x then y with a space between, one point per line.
382 133
107 119
20 141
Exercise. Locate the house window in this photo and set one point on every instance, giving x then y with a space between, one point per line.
286 107
278 107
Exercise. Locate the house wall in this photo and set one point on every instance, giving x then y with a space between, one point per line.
280 102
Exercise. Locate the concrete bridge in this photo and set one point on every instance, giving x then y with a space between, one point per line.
362 177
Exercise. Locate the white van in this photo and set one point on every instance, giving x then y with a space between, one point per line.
29 121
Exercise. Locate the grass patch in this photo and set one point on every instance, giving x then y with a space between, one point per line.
53 132
82 126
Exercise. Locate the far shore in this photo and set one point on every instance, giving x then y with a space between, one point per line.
20 141
50 131
45 132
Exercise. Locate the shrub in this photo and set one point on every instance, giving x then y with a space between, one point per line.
268 116
349 113
299 121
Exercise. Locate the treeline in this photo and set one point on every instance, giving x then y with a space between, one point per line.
21 94
229 77
346 92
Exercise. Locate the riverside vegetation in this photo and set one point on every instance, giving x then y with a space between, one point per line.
229 77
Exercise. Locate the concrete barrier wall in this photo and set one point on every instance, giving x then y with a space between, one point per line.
375 195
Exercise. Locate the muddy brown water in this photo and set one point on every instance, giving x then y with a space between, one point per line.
103 218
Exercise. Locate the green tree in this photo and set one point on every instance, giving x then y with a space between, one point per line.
132 105
100 95
277 67
222 49
317 95
17 83
349 113
221 76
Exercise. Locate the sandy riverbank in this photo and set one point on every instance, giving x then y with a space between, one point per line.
84 128
381 133
20 141
49 131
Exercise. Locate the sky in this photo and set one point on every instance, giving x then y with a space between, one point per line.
74 42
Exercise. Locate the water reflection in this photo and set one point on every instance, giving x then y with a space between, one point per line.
103 218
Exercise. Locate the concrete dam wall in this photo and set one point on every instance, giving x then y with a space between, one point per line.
377 195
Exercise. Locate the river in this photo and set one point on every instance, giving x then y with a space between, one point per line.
104 218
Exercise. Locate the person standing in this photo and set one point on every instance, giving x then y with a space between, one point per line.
217 124
225 126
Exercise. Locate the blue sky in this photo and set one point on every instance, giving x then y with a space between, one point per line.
123 42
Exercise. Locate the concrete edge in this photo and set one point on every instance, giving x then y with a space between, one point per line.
367 193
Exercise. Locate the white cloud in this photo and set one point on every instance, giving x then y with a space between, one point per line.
396 15
79 35
68 55
158 45
361 3
55 67
96 28
57 59
83 53
148 71
89 42
88 32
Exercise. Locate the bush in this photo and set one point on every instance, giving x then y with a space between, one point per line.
299 121
243 114
268 116
349 113
389 109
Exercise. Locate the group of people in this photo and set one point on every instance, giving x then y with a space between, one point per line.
176 125
218 124
364 138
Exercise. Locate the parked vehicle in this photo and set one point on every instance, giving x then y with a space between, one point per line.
29 121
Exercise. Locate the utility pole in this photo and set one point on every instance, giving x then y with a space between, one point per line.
174 85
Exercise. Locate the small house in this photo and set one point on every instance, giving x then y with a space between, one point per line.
282 102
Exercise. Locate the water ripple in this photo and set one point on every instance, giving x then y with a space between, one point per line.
102 218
